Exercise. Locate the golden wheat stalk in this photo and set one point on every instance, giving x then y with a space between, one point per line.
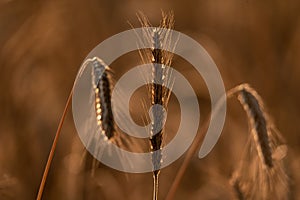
262 172
159 93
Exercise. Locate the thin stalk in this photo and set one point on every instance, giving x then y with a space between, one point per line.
155 186
192 150
52 151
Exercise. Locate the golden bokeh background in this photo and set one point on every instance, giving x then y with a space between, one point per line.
43 43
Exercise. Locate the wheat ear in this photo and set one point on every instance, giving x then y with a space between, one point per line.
102 83
103 107
253 106
159 93
266 176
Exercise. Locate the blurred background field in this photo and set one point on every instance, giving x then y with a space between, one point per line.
43 43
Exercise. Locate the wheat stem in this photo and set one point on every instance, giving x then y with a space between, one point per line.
190 153
155 185
52 151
